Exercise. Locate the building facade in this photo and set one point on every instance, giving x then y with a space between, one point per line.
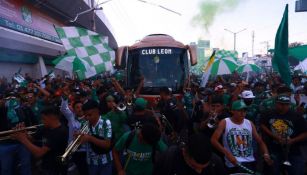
27 32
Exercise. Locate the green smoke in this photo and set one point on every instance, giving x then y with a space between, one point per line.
209 9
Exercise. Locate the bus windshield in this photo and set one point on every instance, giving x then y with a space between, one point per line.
159 67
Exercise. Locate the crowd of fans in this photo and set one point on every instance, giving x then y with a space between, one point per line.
230 126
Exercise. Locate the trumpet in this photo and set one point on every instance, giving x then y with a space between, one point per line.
129 102
74 145
6 135
121 106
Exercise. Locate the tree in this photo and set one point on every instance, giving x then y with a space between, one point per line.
295 44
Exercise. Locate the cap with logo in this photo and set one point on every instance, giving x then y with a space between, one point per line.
247 94
283 99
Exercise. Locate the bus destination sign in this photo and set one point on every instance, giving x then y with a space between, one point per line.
159 51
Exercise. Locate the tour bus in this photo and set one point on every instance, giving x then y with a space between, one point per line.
161 60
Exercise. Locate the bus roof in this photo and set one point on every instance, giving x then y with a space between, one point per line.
157 40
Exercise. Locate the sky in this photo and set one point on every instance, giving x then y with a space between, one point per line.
131 20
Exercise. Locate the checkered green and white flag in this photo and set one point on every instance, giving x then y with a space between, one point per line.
227 54
88 53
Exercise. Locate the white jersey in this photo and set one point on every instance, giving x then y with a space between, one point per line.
238 139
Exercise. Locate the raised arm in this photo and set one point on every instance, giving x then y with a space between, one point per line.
139 88
117 86
42 90
68 114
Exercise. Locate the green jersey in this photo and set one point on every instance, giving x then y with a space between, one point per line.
103 129
139 155
118 119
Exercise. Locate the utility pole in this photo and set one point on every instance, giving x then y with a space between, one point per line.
94 16
267 45
234 37
253 42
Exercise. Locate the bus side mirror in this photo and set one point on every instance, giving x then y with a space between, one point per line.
193 54
121 55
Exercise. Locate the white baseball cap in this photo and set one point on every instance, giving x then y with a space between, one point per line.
247 94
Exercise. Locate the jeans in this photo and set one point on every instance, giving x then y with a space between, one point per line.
100 169
14 157
297 165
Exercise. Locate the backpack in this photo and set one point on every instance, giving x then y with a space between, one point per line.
129 141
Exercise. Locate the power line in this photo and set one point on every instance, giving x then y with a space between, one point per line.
128 16
253 42
123 17
267 45
123 23
157 5
117 14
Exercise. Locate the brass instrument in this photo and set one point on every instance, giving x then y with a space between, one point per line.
285 150
129 102
74 145
6 135
121 106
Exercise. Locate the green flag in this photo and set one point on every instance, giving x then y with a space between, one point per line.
88 53
280 58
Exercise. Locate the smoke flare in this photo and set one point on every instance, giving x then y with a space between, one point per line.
209 9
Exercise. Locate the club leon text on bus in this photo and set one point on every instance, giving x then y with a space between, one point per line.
156 51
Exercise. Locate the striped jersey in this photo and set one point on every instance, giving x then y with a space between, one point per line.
103 129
